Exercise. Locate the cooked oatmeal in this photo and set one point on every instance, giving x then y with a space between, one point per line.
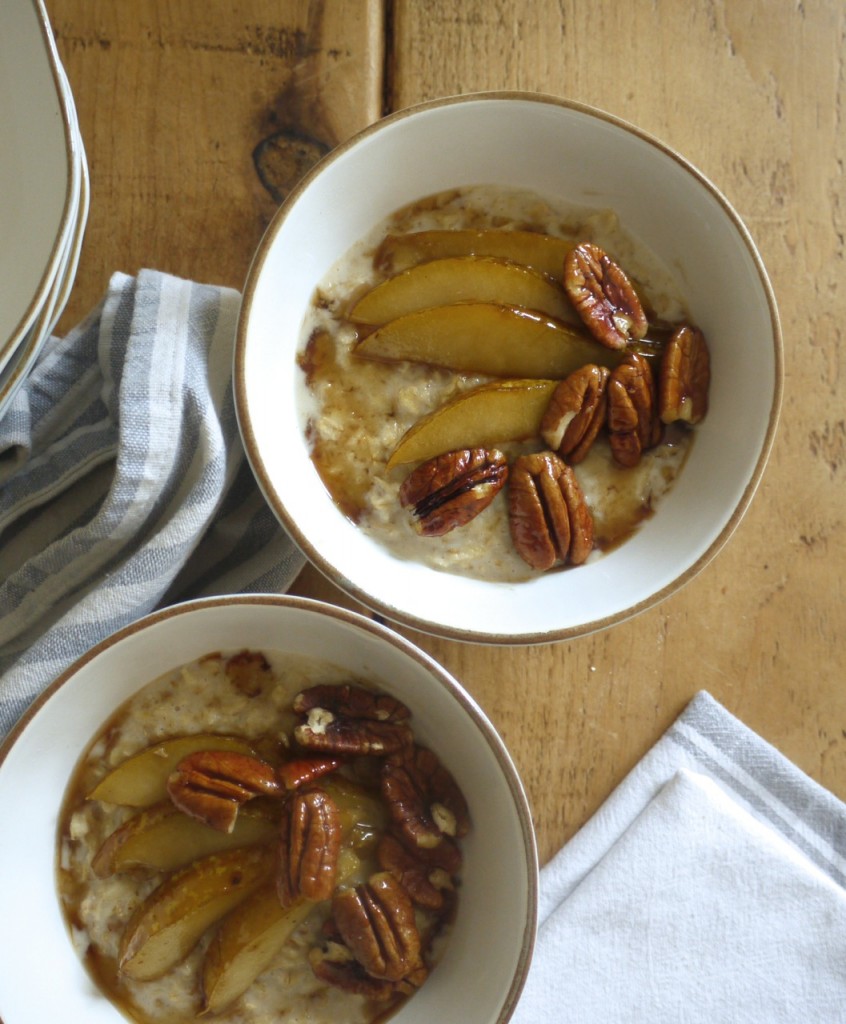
354 410
208 697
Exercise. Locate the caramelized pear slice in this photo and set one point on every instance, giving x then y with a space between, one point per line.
482 337
543 252
246 944
363 815
249 939
162 838
505 410
463 279
170 922
141 780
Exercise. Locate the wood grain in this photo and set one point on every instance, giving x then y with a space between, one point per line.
753 94
174 100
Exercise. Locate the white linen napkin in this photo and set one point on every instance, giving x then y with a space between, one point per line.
708 888
123 481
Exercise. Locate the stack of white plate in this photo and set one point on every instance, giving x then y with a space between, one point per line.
44 189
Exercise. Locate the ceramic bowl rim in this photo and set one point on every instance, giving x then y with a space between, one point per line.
64 228
383 634
356 590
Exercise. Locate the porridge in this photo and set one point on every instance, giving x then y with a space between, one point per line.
460 361
231 835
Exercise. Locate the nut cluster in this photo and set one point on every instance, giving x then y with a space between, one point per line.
549 520
631 401
373 944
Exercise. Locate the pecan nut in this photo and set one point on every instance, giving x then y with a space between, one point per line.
299 772
685 377
633 423
376 920
603 295
350 721
451 489
576 413
334 964
426 875
548 516
211 785
424 800
351 701
328 733
309 846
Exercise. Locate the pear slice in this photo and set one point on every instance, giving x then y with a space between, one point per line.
141 780
363 815
246 944
170 922
249 939
162 838
505 410
463 279
482 337
543 252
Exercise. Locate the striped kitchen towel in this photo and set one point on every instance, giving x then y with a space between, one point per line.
709 887
123 481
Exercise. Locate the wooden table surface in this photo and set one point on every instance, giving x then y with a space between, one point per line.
198 115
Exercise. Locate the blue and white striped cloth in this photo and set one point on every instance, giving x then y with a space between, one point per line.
123 481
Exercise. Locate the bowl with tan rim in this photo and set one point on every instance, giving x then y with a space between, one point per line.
341 396
219 671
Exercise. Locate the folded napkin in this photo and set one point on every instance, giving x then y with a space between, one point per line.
123 482
708 888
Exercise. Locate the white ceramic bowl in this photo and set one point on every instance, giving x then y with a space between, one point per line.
481 975
562 151
38 169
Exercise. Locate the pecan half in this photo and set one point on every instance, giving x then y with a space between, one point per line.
350 720
211 785
309 845
377 923
576 412
633 423
424 800
334 734
685 377
351 701
451 489
420 872
548 517
297 773
604 297
334 963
